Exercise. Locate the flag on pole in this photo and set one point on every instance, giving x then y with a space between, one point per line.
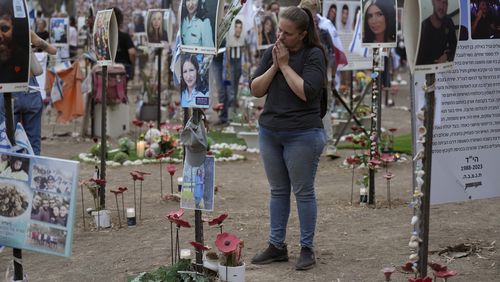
355 46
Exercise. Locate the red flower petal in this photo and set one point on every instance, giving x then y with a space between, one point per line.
171 169
181 222
218 220
227 242
122 189
142 172
200 247
99 181
387 158
175 214
445 273
437 267
393 129
116 191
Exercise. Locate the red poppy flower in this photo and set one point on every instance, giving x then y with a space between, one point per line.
437 267
445 274
95 139
171 169
354 128
420 279
387 158
374 162
175 214
165 155
393 129
408 267
142 172
348 138
122 189
136 176
199 247
227 243
138 123
218 220
116 191
100 182
352 160
388 272
181 222
388 175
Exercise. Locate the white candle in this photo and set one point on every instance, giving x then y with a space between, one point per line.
185 253
140 148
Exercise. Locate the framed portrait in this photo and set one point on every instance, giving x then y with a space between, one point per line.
194 81
378 22
437 45
59 31
156 28
14 46
105 35
266 26
199 26
198 185
484 19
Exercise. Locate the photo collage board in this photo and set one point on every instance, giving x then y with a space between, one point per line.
37 202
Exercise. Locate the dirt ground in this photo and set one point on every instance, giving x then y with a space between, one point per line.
353 243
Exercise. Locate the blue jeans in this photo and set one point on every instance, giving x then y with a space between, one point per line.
28 108
290 161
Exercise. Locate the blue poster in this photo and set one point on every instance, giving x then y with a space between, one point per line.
198 185
37 203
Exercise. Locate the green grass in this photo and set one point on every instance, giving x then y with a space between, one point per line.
402 144
230 138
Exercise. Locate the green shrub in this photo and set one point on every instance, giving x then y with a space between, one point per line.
120 157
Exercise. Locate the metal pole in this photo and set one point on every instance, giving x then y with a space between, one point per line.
158 109
9 125
351 100
374 125
102 191
430 101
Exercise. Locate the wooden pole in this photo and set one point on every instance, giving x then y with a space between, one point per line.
158 102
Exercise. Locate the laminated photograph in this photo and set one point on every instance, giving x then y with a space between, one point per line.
198 185
379 23
199 26
14 46
156 28
105 37
436 33
59 31
194 81
37 203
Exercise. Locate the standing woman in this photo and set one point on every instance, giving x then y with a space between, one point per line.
156 34
379 22
291 136
196 29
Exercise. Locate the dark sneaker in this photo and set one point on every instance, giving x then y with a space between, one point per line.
271 254
306 260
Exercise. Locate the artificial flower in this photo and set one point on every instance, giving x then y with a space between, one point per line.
218 220
227 242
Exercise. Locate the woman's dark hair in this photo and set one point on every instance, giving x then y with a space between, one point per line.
390 21
304 22
201 13
6 9
333 6
273 24
194 60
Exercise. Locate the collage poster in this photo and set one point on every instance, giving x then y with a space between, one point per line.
37 203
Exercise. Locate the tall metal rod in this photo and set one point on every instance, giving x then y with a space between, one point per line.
102 191
374 123
158 102
430 101
9 125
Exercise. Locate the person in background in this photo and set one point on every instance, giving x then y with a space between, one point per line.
126 52
274 7
41 29
139 23
291 136
438 38
73 39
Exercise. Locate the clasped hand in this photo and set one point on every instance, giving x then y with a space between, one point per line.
280 55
